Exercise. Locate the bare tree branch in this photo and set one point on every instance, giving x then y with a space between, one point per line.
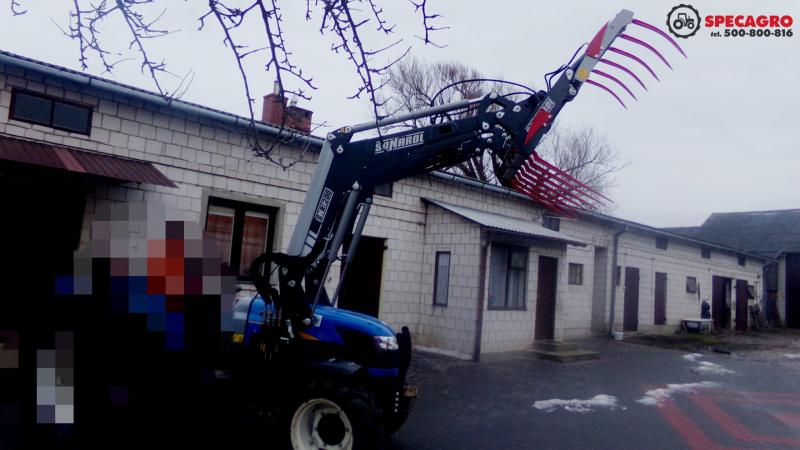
342 19
15 8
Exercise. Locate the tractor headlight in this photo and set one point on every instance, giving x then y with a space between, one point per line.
385 342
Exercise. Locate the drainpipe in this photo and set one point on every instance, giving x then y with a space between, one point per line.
476 355
614 259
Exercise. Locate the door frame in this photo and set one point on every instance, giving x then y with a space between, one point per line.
539 332
630 309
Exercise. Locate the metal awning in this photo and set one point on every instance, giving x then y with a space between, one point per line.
506 224
79 161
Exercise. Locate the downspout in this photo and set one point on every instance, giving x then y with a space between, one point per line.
614 260
476 355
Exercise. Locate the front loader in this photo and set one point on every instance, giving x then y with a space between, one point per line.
344 373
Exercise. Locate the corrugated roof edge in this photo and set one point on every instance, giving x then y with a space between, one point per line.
215 114
147 96
596 216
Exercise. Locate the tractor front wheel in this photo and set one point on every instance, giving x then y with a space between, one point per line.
335 418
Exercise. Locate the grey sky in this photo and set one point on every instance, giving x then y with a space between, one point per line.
719 133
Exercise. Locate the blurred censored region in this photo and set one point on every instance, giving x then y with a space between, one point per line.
150 266
128 342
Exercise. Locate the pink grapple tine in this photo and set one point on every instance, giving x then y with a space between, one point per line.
624 69
635 58
659 31
616 80
647 46
594 83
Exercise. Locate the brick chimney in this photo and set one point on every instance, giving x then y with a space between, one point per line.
296 118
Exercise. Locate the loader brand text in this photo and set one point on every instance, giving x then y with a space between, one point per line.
398 143
750 25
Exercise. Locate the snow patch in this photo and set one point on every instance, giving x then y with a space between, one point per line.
577 405
692 356
709 368
792 355
655 397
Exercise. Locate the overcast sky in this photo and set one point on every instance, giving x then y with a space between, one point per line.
719 133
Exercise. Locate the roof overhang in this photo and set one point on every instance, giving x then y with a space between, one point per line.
80 161
506 224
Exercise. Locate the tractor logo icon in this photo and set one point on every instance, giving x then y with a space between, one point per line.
683 21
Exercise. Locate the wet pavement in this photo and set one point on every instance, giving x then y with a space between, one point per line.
633 397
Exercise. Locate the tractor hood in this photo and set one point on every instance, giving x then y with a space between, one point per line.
328 322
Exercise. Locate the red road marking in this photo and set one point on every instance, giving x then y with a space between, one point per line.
793 420
690 432
734 427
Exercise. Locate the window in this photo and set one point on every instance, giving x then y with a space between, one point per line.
618 276
507 277
751 292
575 273
705 252
553 223
691 285
384 190
661 243
242 231
742 260
441 278
49 111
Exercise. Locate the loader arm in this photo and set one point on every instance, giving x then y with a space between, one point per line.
340 194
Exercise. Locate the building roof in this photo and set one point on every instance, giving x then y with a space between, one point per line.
79 161
765 233
506 224
149 97
236 120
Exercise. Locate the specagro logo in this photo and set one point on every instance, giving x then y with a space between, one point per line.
683 21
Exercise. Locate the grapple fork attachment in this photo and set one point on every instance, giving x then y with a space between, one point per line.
537 178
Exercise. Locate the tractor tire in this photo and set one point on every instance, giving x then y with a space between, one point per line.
335 417
677 24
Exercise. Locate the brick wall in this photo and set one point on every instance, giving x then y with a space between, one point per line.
206 158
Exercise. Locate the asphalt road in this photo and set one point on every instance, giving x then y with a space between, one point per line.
490 405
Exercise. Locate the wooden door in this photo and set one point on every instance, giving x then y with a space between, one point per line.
546 298
741 305
660 309
630 320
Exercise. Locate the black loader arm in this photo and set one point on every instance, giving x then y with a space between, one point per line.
340 194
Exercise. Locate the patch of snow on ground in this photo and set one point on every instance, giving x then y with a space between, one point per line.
792 355
655 397
709 368
577 405
692 356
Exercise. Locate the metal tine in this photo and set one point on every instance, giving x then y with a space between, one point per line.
660 32
624 69
616 80
605 88
635 58
647 46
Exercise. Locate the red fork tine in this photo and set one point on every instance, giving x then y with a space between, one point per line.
647 46
594 83
624 69
635 58
616 80
663 34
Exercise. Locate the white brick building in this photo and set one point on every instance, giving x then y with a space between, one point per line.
490 288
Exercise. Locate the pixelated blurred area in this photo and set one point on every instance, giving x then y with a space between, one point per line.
127 339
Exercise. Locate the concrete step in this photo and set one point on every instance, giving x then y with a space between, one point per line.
567 356
554 346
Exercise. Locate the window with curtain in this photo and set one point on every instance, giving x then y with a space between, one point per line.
243 231
508 268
